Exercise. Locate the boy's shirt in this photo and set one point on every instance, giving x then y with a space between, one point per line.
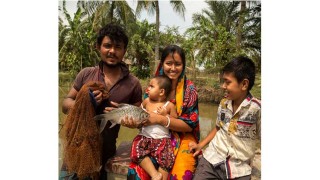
235 143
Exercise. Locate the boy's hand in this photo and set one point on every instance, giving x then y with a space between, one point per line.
194 147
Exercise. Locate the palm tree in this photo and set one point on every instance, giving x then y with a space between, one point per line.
252 27
140 48
170 36
240 25
190 45
75 51
105 12
226 29
77 37
153 7
214 30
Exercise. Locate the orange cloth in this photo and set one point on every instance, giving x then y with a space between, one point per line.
185 163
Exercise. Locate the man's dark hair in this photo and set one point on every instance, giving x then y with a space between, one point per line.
242 68
115 32
164 82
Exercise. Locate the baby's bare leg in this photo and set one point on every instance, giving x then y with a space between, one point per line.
164 173
148 166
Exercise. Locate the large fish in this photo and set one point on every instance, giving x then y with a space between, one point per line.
139 115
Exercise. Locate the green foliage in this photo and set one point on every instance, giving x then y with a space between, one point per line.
256 89
224 31
77 48
153 7
170 36
211 42
140 48
140 73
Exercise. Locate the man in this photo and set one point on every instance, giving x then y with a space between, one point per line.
123 87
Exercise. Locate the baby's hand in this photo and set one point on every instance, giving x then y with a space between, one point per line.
194 147
162 110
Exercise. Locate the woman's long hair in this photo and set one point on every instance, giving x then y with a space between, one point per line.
82 153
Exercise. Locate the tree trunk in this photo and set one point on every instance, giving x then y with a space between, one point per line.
193 66
240 25
111 11
156 51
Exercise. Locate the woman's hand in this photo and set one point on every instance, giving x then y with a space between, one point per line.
194 147
130 122
154 118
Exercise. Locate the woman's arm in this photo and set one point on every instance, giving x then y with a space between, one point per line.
173 111
188 119
175 124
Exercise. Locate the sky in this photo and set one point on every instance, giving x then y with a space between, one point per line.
29 89
167 16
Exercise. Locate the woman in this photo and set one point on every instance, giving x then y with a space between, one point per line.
185 128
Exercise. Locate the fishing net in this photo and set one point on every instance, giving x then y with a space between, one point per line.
82 153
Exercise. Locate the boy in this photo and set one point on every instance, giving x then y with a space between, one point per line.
233 140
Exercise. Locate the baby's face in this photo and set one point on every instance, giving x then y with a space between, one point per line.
153 89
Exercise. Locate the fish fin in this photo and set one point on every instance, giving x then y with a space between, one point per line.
123 105
113 124
103 125
99 117
103 118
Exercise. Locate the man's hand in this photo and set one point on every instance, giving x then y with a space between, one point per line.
114 106
97 96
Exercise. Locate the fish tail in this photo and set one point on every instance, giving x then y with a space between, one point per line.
103 125
104 118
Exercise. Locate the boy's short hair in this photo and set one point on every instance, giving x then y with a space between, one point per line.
242 68
115 32
164 82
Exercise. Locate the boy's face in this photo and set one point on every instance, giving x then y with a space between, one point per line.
234 90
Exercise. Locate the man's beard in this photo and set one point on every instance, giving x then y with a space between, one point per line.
112 65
